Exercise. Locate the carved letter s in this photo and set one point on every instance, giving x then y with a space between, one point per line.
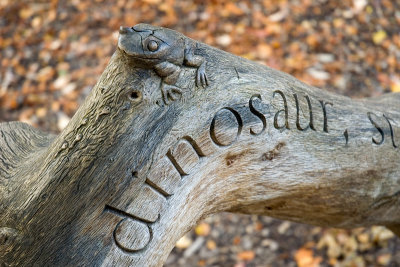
258 114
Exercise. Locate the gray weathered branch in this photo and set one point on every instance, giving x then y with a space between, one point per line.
176 130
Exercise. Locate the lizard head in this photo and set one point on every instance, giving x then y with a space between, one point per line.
146 43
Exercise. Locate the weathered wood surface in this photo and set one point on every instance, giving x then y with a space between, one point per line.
176 130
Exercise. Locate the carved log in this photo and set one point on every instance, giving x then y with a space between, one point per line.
176 130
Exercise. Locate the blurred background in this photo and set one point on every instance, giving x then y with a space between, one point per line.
52 53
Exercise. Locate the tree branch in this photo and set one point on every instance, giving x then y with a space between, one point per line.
130 174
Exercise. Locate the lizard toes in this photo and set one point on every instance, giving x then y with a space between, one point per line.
198 80
175 93
170 93
204 80
165 98
201 79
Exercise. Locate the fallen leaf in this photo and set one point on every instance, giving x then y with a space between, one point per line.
224 40
305 258
184 242
395 87
283 227
379 36
236 240
211 245
202 263
203 229
363 237
246 255
384 259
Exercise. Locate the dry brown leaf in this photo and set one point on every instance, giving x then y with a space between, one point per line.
203 229
246 255
305 258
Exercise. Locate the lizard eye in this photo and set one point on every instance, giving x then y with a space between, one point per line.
152 45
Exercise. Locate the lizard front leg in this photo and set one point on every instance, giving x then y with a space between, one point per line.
169 74
199 62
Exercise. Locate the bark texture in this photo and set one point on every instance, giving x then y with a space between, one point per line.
176 130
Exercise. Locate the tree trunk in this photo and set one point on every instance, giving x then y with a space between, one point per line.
162 142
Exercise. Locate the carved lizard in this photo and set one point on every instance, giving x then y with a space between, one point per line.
166 52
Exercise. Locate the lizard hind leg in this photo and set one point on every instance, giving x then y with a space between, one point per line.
170 93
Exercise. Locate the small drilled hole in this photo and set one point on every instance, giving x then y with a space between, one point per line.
135 95
134 174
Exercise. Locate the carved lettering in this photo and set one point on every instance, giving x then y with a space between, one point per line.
286 110
175 163
311 122
220 135
323 105
257 114
195 146
391 130
346 136
164 177
151 203
130 234
378 128
185 155
133 232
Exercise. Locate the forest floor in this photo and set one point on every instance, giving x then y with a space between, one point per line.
52 53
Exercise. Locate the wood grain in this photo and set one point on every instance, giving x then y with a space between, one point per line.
131 173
